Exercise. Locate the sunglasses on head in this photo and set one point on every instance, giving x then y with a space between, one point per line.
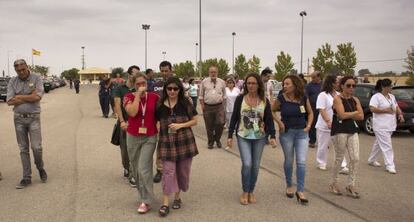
173 88
350 85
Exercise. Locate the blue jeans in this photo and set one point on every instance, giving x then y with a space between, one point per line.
251 153
295 141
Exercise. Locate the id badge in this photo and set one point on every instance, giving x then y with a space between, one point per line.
142 130
170 130
302 109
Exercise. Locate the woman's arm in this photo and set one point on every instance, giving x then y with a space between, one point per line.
360 112
310 115
339 107
235 117
268 120
132 107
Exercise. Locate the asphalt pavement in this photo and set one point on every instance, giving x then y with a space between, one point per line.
86 183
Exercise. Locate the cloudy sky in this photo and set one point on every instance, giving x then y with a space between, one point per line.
112 35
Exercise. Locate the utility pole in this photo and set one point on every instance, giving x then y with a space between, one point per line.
83 57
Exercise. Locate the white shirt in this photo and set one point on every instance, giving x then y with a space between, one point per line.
231 98
273 89
384 121
324 101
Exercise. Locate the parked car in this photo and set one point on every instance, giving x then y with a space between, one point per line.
3 88
408 89
365 91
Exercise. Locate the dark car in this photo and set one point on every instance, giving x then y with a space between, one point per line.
3 88
365 91
408 89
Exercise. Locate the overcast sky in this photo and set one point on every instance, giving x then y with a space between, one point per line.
112 35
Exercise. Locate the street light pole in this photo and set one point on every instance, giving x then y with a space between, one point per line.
233 34
8 62
200 58
302 14
163 53
196 49
145 27
83 57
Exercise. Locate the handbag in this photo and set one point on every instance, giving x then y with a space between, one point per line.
116 132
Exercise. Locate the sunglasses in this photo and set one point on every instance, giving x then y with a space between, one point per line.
350 85
173 88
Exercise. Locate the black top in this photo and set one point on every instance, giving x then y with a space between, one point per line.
180 109
267 118
348 126
293 114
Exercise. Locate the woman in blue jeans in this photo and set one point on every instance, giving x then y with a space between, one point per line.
296 120
252 120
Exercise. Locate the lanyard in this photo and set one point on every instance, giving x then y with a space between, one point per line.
144 108
388 100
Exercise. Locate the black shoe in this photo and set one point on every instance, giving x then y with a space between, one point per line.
157 177
23 183
126 173
132 182
43 175
301 200
219 144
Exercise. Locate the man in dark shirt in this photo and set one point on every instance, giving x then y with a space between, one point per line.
150 81
104 94
312 91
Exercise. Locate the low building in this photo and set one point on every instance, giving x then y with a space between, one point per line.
92 75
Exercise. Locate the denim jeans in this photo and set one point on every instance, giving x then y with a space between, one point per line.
295 141
251 153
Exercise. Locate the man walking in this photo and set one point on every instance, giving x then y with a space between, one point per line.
118 94
77 84
312 91
212 100
24 92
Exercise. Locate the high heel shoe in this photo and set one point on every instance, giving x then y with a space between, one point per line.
289 194
301 200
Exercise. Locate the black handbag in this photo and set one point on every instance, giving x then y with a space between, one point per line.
116 132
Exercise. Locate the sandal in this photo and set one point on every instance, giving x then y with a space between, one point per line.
252 198
164 210
335 190
351 192
177 204
244 200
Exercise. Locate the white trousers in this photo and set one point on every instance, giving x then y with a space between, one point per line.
324 140
383 143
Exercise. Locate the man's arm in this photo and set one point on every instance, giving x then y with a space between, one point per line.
201 96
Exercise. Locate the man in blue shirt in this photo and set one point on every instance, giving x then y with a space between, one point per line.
312 91
150 81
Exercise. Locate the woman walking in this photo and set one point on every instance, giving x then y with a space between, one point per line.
141 138
347 110
231 94
177 145
252 120
296 120
324 104
384 110
193 92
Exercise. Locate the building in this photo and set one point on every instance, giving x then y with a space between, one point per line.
92 75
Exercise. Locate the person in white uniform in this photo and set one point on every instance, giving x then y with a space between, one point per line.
231 93
323 126
384 108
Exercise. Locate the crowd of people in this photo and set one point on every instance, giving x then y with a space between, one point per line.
156 118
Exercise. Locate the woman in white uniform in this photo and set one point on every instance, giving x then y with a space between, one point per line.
231 94
385 110
323 126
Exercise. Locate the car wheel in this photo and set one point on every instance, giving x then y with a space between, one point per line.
368 125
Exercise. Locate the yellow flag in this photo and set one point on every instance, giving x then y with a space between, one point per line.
35 52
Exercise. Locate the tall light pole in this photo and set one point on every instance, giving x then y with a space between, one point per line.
8 62
163 54
233 34
145 27
200 58
83 57
302 14
196 49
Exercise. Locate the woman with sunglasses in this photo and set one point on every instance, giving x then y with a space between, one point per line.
142 137
231 93
296 120
347 110
252 120
385 110
176 146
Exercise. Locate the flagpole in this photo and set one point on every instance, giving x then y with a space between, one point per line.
32 60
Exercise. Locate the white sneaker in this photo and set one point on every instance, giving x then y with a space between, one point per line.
391 170
320 167
344 171
374 164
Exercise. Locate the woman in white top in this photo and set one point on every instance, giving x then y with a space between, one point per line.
231 93
384 108
324 104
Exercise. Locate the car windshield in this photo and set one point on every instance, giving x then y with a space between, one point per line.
401 94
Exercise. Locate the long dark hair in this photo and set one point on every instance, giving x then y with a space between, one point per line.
381 83
299 86
328 83
181 98
260 90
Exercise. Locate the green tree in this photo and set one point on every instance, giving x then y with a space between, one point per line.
410 66
117 70
184 69
43 70
324 60
254 64
70 74
283 65
345 58
222 65
223 68
362 72
241 66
